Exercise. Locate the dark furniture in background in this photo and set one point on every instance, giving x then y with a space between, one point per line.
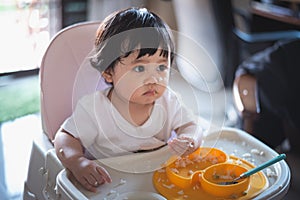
74 11
245 31
263 23
266 91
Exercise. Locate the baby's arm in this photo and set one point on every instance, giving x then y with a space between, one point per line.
70 152
188 139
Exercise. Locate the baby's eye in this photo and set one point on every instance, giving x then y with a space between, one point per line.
162 68
139 68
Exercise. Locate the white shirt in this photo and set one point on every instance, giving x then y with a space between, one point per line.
105 133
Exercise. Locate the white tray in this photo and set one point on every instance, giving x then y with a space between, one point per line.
130 174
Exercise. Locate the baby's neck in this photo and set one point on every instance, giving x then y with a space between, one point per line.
136 114
139 114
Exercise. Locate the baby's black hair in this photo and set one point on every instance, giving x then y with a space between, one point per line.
129 30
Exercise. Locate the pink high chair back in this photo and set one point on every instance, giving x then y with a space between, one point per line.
60 77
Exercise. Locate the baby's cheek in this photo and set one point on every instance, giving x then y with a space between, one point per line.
127 86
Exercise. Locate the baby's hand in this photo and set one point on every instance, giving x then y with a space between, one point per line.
182 146
89 174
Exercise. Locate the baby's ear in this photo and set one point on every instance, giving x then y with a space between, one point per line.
107 75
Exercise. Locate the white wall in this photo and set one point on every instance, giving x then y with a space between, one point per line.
198 44
99 9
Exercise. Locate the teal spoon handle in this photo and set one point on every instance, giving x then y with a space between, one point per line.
262 166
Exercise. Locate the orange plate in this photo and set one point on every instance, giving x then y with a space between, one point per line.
258 183
212 176
187 174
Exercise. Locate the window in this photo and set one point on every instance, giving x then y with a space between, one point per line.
25 32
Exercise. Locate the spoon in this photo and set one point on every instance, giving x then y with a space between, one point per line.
255 169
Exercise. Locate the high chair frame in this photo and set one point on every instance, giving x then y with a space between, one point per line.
58 72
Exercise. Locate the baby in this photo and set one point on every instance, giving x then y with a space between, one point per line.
138 112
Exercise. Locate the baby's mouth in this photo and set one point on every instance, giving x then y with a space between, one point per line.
150 93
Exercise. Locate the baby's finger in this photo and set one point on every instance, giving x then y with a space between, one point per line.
92 180
177 148
88 186
188 142
99 180
105 175
183 144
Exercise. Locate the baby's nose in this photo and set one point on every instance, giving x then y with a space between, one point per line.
152 80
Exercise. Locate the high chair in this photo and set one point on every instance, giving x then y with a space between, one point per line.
65 76
58 73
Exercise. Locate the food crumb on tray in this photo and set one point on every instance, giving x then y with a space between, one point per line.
122 182
270 173
169 186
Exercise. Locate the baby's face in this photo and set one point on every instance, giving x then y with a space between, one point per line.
141 80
